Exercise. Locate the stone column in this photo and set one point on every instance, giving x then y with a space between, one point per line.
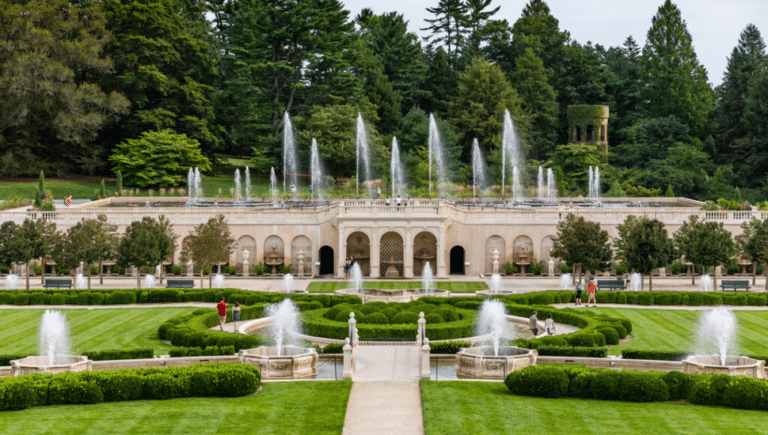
300 266
348 362
441 253
246 263
342 250
425 359
408 254
375 253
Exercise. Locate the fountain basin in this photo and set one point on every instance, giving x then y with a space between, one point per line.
41 364
393 295
734 366
481 363
492 293
293 363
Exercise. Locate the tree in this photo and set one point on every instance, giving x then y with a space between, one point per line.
623 87
615 191
211 244
28 241
670 193
644 245
441 83
537 97
478 15
158 158
575 160
755 158
378 89
91 241
449 27
581 242
705 244
146 243
675 81
119 182
51 107
752 245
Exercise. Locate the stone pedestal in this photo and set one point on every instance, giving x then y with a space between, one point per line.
190 268
348 363
551 267
495 268
300 265
425 359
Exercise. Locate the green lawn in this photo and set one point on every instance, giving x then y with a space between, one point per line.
97 329
456 287
479 408
280 408
676 329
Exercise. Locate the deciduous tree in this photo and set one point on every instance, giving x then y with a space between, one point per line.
705 244
581 242
146 243
92 241
211 243
644 245
752 245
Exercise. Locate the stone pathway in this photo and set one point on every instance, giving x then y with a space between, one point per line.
384 408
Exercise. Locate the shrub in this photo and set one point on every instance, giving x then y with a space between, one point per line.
5 360
377 319
676 267
645 298
538 381
405 317
564 268
709 390
679 384
642 386
536 268
610 334
333 348
621 268
653 354
434 318
590 352
448 347
38 299
21 299
118 354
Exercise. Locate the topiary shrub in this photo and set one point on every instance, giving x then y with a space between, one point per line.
434 318
642 387
679 384
645 298
21 299
538 381
709 390
610 334
376 318
343 315
390 312
405 317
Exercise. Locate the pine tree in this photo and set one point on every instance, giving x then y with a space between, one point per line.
449 28
378 89
538 98
477 18
102 189
441 83
675 82
670 193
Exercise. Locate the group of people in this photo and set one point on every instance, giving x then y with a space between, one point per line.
398 201
591 291
222 308
549 324
348 263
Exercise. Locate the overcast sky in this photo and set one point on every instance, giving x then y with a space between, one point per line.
714 25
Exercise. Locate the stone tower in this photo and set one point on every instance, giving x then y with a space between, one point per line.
588 124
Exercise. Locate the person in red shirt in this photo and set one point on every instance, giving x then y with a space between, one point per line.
222 307
592 294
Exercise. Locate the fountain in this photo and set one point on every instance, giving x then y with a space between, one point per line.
436 155
10 281
705 283
391 295
149 281
510 147
282 361
191 186
551 186
81 282
594 184
635 282
54 350
290 159
396 170
356 275
478 170
218 281
361 150
316 172
565 281
247 184
716 338
540 191
496 288
273 186
517 187
198 185
495 361
238 186
426 279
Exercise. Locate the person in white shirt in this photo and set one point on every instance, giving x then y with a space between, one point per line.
550 325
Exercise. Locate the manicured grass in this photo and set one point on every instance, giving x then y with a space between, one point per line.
675 329
97 329
280 408
489 408
456 287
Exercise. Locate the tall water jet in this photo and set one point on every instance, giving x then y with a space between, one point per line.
286 323
511 152
316 171
565 281
635 282
705 283
218 280
10 281
288 283
290 159
478 169
436 155
361 150
551 186
426 279
356 276
81 282
396 170
238 185
540 191
198 185
590 183
495 283
517 187
247 184
149 281
596 186
716 333
54 336
191 185
273 185
492 319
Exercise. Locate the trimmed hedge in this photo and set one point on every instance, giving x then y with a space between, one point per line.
448 347
200 380
589 352
116 354
5 360
666 355
198 351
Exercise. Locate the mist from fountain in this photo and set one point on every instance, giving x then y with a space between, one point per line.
635 282
287 283
10 281
149 281
198 186
594 183
238 185
511 151
517 187
396 170
286 322
436 155
290 157
247 184
492 319
495 283
478 170
427 282
316 171
356 277
362 150
705 283
191 185
551 186
716 333
273 185
54 336
565 281
218 281
81 282
540 191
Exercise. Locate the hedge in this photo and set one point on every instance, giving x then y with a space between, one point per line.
5 360
116 354
667 355
448 347
198 351
199 380
590 352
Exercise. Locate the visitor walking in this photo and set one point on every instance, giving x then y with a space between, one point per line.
236 314
378 193
346 267
592 294
578 293
387 202
549 325
222 307
397 202
534 324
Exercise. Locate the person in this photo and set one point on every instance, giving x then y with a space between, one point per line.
236 314
592 294
222 307
378 193
397 202
387 201
534 324
578 293
346 268
549 325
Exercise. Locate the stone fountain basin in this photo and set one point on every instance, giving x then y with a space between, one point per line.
293 363
481 363
734 366
41 364
491 292
392 295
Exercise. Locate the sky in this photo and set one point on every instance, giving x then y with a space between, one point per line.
714 25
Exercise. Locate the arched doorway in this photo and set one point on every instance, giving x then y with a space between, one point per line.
457 260
359 248
424 251
326 260
391 257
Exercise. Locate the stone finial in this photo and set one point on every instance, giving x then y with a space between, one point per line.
421 315
352 315
246 255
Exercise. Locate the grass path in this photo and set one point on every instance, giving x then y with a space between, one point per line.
480 408
280 408
456 287
89 329
676 329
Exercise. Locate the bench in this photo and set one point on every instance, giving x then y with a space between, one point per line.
734 284
611 284
179 283
57 283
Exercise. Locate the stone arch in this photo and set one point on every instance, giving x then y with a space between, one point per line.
547 243
522 254
495 243
274 253
424 250
457 258
391 255
301 243
243 243
359 248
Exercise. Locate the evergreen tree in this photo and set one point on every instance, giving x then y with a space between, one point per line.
675 82
449 28
624 86
119 182
41 182
538 99
478 15
378 89
441 83
670 193
756 117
